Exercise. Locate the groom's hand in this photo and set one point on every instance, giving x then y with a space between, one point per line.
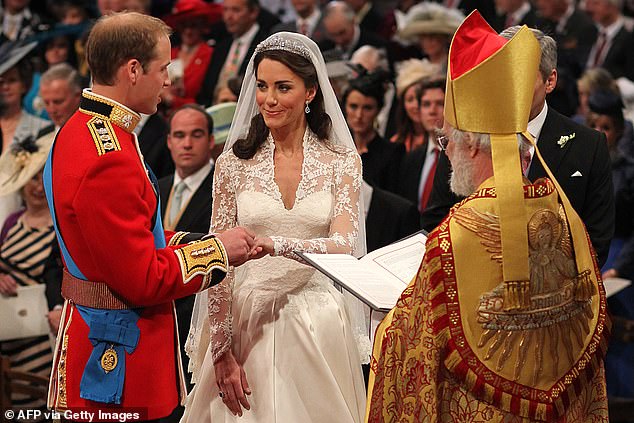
239 244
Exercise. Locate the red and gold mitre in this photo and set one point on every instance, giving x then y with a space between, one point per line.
528 303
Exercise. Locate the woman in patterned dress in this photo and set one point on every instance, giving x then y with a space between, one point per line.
26 244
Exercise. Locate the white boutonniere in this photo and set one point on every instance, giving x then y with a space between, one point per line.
564 139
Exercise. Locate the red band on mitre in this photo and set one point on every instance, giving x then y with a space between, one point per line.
474 42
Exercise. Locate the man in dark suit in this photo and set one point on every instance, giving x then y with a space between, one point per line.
309 20
514 12
152 135
186 195
344 34
388 217
231 55
575 33
572 29
577 156
614 43
419 166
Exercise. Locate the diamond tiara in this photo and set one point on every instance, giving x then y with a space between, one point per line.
278 43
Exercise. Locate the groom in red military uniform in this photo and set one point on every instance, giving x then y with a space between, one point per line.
117 347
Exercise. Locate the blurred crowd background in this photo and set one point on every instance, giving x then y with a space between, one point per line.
387 61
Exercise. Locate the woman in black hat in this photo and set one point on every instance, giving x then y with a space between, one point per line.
15 80
15 123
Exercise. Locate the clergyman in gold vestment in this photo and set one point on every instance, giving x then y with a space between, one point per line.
506 320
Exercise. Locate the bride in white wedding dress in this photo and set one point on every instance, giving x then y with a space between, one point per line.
276 342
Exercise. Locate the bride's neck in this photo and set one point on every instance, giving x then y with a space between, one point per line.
289 139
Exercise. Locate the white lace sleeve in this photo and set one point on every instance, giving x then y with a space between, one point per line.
223 217
344 225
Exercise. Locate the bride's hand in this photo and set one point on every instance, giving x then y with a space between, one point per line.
232 382
263 246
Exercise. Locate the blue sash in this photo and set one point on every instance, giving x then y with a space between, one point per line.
113 333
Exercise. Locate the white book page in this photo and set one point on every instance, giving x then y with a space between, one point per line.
614 285
379 278
401 259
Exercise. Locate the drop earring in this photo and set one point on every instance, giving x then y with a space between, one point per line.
307 109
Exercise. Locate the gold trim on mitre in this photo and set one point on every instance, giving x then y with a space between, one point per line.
493 95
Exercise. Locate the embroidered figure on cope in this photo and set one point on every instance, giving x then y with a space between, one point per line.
548 301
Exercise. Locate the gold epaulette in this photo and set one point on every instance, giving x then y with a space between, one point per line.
103 135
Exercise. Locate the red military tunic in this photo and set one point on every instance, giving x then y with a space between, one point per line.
105 204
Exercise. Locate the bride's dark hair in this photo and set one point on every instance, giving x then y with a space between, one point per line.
318 120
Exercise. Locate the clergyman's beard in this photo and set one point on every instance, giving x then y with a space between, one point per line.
461 179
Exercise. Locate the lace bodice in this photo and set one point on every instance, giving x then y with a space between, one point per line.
323 219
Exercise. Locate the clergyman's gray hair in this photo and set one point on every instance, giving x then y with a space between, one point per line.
483 141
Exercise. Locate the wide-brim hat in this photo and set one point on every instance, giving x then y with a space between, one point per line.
222 115
185 10
430 18
20 162
11 53
411 71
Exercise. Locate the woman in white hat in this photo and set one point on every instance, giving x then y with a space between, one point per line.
26 244
409 127
431 26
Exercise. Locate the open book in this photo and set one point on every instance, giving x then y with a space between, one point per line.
379 277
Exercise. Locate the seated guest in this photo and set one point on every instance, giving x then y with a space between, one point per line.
343 33
409 127
606 115
381 159
514 12
186 196
309 20
60 91
419 165
592 80
16 124
431 26
191 58
151 132
389 217
372 59
26 243
614 45
232 53
369 18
